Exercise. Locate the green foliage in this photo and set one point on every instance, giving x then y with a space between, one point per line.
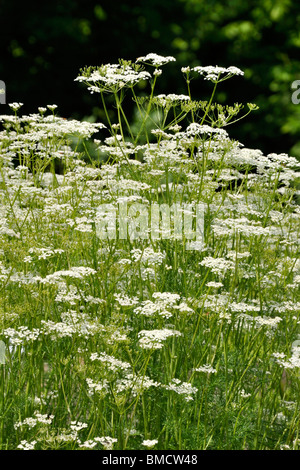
46 45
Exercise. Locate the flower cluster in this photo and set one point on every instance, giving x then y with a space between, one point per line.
33 421
182 388
155 59
153 339
112 77
217 74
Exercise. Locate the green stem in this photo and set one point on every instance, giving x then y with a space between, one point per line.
209 104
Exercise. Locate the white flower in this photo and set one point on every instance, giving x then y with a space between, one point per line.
31 422
207 369
15 106
168 298
214 284
170 100
134 383
279 355
77 426
217 265
26 445
281 417
149 443
106 441
213 73
244 394
195 129
77 272
149 309
111 363
52 107
293 362
22 335
99 387
182 388
148 256
152 339
90 444
155 59
267 321
112 77
125 301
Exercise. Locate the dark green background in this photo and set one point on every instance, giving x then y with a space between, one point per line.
43 45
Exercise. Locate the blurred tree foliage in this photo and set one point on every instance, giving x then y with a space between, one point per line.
43 45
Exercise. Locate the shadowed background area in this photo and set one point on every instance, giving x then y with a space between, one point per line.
44 44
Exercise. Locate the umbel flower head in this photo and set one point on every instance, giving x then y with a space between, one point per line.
111 78
149 443
15 106
216 74
155 59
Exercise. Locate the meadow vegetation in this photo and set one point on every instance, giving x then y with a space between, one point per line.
143 342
